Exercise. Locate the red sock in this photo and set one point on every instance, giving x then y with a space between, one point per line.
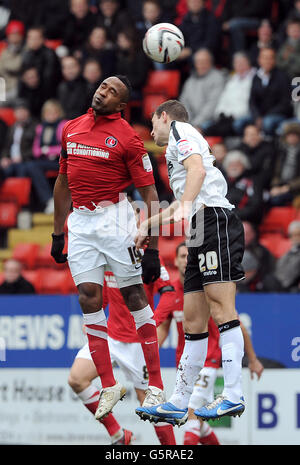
210 440
192 433
101 357
190 439
90 399
148 336
96 329
165 434
111 424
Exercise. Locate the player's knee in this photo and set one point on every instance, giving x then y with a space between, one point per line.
134 297
221 313
194 325
75 382
89 297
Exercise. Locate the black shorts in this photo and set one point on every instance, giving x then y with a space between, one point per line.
217 256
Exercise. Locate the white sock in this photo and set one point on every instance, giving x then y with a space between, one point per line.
232 346
143 316
89 394
193 426
205 429
191 362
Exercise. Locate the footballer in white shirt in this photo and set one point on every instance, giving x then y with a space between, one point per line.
215 251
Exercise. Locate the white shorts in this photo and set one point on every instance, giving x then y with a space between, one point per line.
104 239
128 356
203 392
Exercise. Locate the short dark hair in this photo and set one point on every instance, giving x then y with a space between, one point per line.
174 109
293 20
179 246
124 79
37 27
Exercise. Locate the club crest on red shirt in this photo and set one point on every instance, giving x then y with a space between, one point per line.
111 141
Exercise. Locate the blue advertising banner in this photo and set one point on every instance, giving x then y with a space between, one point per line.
46 331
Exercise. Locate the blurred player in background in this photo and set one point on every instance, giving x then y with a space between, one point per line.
126 351
196 430
101 156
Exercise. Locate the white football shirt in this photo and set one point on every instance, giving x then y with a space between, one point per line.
184 141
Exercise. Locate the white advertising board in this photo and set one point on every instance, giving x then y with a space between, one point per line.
38 407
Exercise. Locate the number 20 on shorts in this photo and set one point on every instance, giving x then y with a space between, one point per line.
208 261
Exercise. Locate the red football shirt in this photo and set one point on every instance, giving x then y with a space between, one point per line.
101 158
213 358
121 324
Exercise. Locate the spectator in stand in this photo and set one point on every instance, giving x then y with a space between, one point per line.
288 55
287 270
92 73
14 282
46 150
151 14
168 7
30 88
19 141
270 97
243 190
260 154
240 16
285 184
232 109
37 55
113 18
265 39
202 90
55 15
293 12
132 62
11 58
258 263
72 90
5 13
219 151
3 134
79 24
98 48
30 12
200 29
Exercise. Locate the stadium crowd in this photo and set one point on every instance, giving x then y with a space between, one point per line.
238 78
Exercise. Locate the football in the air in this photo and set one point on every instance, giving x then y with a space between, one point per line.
163 42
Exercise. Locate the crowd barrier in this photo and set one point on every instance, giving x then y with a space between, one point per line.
40 336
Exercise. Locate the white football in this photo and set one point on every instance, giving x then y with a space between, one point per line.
163 42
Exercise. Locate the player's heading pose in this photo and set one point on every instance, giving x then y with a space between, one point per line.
102 155
216 247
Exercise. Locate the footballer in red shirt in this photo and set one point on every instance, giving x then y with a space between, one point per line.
102 155
125 350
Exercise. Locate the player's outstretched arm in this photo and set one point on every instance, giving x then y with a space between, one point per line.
254 365
150 260
150 198
62 203
163 331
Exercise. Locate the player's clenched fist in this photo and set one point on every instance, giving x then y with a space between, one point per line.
58 243
150 266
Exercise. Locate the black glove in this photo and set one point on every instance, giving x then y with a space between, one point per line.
58 243
150 266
